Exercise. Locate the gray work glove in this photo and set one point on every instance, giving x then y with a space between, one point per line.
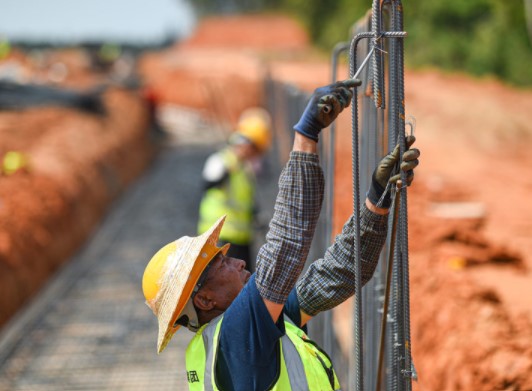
324 106
381 175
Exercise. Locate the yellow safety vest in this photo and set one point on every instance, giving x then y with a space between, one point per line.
234 198
304 366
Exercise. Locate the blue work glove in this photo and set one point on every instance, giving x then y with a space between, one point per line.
385 168
324 106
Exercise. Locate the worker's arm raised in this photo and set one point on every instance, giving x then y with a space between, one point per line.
330 281
297 208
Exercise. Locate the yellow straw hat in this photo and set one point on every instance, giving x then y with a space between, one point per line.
171 278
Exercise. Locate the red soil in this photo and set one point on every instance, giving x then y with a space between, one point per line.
77 164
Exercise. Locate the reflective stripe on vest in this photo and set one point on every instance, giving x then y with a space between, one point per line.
235 198
308 369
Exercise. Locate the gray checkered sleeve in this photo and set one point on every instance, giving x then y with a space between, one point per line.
281 259
331 280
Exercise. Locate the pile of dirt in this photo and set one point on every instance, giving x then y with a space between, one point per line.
76 165
257 33
220 70
466 336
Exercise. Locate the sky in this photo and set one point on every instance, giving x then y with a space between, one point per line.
131 21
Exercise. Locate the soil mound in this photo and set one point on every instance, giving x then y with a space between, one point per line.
73 166
258 33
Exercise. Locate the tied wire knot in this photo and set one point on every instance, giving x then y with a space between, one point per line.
376 43
392 188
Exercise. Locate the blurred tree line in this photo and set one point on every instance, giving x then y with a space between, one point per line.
481 37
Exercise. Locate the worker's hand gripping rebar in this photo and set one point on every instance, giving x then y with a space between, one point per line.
389 172
335 98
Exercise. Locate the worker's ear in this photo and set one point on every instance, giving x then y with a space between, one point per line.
203 301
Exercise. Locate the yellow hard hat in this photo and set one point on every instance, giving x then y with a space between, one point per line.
5 48
171 277
14 161
255 125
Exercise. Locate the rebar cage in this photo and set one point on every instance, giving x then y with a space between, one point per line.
381 356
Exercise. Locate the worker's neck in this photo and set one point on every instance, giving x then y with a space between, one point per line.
205 317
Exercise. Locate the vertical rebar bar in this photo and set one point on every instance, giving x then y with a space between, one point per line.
397 17
339 49
382 339
358 332
376 28
395 383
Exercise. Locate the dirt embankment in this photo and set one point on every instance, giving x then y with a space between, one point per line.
77 163
471 292
469 220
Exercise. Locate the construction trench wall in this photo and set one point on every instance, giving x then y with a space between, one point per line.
78 164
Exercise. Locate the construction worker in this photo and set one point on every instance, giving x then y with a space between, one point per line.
249 329
229 184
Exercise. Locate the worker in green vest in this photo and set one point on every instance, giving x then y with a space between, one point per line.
250 328
230 182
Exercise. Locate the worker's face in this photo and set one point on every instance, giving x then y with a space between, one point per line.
225 279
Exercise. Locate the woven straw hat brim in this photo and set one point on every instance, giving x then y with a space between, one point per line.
176 280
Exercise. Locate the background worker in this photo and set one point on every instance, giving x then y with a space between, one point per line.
243 341
229 177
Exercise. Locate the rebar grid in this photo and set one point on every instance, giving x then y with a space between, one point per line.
400 350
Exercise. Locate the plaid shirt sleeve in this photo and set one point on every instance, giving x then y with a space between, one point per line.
331 280
281 259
